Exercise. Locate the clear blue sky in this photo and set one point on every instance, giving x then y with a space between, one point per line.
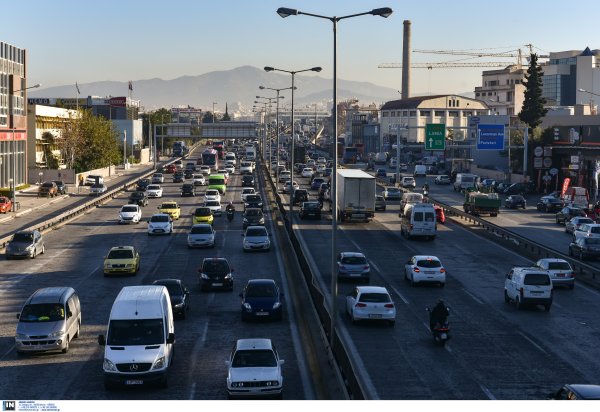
131 39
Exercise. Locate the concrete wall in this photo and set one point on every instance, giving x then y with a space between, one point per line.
496 175
66 175
143 155
107 171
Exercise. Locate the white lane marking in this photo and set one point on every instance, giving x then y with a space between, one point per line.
9 351
579 285
487 392
223 245
197 347
393 287
476 300
448 348
533 343
400 295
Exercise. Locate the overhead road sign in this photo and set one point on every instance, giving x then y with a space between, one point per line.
490 137
435 136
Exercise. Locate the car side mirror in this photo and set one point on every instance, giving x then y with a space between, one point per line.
243 234
171 339
228 363
280 362
18 315
101 340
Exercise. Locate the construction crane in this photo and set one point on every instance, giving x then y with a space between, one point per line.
446 65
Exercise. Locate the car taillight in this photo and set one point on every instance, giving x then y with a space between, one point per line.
572 274
442 270
589 249
366 267
417 270
342 267
552 292
360 305
578 224
521 291
590 235
388 305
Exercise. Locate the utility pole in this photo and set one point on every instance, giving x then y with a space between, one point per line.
213 113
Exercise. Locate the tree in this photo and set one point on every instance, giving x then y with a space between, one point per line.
69 138
160 116
533 110
208 117
226 117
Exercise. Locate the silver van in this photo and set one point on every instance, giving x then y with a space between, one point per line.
529 286
50 318
419 220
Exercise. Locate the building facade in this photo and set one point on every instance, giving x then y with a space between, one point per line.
502 90
13 120
41 119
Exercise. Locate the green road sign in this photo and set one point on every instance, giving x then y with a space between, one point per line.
435 137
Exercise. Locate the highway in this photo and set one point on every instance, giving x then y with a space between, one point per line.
497 352
74 257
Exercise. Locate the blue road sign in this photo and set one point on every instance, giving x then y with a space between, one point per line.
490 137
474 119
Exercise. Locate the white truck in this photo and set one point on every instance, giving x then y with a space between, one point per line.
380 158
251 153
246 168
355 195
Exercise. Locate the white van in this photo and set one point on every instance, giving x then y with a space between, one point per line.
409 197
419 220
420 170
139 345
230 159
529 286
464 180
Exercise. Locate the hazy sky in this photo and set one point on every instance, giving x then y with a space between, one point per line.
90 41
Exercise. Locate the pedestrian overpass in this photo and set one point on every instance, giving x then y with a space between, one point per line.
213 131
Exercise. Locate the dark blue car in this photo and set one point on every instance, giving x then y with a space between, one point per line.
327 171
261 299
381 173
515 201
316 183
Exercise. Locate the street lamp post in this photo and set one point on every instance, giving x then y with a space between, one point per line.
286 12
213 113
264 150
293 73
270 128
14 151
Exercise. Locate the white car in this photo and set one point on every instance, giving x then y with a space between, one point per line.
308 172
130 214
246 167
425 269
230 169
212 194
560 271
205 170
586 230
287 186
214 206
224 173
253 361
393 164
284 176
160 224
98 189
320 169
91 179
247 191
367 303
158 178
253 165
321 160
256 238
154 191
442 180
199 180
310 163
408 182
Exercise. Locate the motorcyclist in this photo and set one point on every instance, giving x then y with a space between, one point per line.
438 314
230 207
426 187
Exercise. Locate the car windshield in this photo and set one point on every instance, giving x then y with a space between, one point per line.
255 358
374 297
137 194
42 312
23 237
129 209
201 230
592 241
158 175
253 232
443 177
212 203
169 206
408 179
202 211
143 182
257 212
379 199
261 291
247 178
537 279
211 266
553 200
253 198
173 288
354 260
247 191
595 229
517 198
120 254
154 187
47 185
159 219
198 176
2 201
311 205
135 332
582 220
301 192
97 185
211 193
429 263
392 190
178 173
560 265
577 212
188 186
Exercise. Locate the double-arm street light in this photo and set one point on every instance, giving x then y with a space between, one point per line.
585 91
285 12
269 130
277 131
14 156
293 73
213 114
265 128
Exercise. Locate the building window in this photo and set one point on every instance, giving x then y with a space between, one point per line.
517 81
467 113
476 94
481 113
452 114
439 113
405 113
425 113
413 113
494 83
486 84
458 103
385 114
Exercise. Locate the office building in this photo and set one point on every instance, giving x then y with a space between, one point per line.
41 119
503 90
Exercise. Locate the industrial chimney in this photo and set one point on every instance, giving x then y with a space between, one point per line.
406 61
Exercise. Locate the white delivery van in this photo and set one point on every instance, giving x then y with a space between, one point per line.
464 180
529 286
419 220
250 153
420 170
409 197
230 159
380 158
139 344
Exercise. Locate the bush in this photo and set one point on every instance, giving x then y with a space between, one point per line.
6 192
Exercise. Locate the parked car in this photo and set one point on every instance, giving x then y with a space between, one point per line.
501 187
47 189
549 204
515 202
5 204
62 187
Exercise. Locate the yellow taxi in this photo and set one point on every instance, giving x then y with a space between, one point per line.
203 215
170 208
120 260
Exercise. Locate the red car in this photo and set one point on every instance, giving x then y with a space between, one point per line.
439 214
5 204
170 169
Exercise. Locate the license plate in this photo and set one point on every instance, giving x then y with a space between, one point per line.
561 275
375 316
417 230
37 347
429 273
311 214
262 313
217 284
159 230
443 336
134 382
359 215
354 274
537 293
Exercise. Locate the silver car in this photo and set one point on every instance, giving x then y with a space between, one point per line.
256 238
392 192
26 244
201 235
379 203
576 222
98 189
158 178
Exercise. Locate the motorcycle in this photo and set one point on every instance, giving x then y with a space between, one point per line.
230 215
425 191
441 331
370 166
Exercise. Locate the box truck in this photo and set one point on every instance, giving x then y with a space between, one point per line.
355 195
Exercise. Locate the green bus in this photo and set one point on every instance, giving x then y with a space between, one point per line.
217 182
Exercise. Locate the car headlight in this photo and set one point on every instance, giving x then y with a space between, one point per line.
21 335
245 220
179 305
29 247
8 249
159 364
108 365
108 266
276 305
205 276
150 227
57 334
129 265
247 306
272 383
228 276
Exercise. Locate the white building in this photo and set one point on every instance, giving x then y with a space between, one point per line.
503 90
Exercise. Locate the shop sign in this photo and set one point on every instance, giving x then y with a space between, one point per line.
565 187
538 151
547 162
553 172
537 162
574 159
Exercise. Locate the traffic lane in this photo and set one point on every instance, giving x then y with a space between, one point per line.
204 340
50 211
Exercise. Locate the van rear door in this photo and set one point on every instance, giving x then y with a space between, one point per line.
429 222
